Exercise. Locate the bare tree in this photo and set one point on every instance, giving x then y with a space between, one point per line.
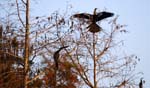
92 60
94 53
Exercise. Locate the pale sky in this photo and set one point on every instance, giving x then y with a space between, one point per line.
134 13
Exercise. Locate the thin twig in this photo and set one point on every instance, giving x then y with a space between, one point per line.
18 13
23 2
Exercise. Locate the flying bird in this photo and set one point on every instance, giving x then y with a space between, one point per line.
93 27
56 56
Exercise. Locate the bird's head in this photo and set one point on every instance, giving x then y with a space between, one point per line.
94 13
141 78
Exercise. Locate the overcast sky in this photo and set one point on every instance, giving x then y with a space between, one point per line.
134 13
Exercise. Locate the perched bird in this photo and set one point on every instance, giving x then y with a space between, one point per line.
141 83
56 56
93 27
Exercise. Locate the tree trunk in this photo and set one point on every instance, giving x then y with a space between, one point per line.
94 62
26 57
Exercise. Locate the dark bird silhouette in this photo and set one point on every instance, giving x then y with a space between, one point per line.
141 83
93 27
56 56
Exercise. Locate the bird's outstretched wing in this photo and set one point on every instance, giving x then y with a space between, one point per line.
83 15
102 15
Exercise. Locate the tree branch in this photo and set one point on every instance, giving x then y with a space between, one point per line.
23 2
18 13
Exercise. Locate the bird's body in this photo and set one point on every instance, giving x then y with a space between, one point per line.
94 18
93 27
56 56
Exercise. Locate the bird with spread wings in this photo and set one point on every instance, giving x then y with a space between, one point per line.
93 27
